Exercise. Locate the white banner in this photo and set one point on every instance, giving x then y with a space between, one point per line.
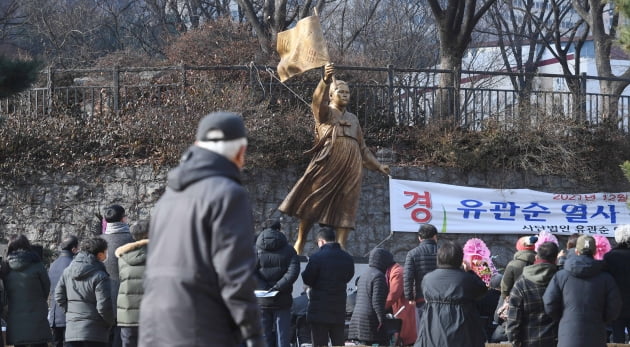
458 209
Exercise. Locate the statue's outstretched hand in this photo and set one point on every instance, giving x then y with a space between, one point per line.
329 72
384 169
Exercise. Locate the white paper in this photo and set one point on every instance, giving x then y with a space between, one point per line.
265 294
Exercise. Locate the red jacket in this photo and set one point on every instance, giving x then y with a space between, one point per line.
396 300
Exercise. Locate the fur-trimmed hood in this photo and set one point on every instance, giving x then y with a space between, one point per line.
130 247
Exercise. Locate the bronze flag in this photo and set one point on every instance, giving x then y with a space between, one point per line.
301 48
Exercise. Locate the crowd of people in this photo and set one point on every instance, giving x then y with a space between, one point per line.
87 297
440 297
206 279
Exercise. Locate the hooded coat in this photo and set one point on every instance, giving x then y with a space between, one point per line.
450 315
199 281
277 268
56 316
84 293
527 322
27 285
132 258
367 322
583 299
514 269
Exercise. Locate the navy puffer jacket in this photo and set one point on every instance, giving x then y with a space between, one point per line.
56 316
583 299
419 262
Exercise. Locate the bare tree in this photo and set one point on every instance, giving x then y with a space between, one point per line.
10 17
402 33
592 11
520 30
455 24
68 32
565 43
269 17
348 23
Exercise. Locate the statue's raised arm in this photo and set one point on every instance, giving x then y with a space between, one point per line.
321 97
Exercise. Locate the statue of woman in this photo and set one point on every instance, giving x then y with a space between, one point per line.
328 192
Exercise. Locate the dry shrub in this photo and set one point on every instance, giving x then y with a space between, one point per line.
157 123
221 42
151 129
551 146
127 58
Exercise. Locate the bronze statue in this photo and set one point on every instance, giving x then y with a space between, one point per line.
328 192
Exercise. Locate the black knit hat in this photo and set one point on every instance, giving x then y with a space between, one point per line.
114 213
230 124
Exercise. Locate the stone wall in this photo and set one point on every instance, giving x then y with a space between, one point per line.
51 206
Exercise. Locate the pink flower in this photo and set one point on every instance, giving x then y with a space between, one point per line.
478 255
602 246
545 236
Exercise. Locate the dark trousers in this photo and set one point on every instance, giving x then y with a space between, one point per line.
33 345
58 334
321 332
276 327
114 337
85 344
619 330
129 336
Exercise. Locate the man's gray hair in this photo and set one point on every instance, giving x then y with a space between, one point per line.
228 149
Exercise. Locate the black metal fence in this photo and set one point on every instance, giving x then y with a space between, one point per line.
380 96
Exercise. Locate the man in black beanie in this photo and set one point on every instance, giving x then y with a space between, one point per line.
199 281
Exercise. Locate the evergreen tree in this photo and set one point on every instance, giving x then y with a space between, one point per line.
16 75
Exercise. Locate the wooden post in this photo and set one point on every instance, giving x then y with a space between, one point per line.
49 89
115 87
390 90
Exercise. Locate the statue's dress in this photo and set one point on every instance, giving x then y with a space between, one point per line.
328 192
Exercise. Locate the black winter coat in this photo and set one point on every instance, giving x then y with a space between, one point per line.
327 273
84 293
27 286
583 299
419 262
618 265
199 281
450 315
117 234
56 315
277 268
372 290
